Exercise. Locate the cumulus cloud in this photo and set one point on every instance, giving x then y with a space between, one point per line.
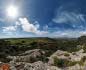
29 27
26 26
35 28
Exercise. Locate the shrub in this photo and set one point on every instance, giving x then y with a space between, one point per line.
60 62
81 62
84 48
32 59
66 54
72 63
63 62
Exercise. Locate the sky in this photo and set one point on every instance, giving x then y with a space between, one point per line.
42 18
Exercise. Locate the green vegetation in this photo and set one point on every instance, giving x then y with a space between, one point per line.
63 62
83 59
49 44
66 54
15 46
84 48
66 63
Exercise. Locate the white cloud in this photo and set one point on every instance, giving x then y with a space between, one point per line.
29 27
42 32
9 28
65 16
35 28
17 23
73 18
26 26
67 33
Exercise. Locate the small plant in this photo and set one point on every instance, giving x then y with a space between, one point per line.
60 62
32 59
81 62
66 54
72 63
84 48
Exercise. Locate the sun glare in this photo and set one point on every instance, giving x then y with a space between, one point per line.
12 11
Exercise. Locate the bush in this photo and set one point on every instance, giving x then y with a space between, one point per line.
84 48
63 62
32 59
66 54
81 62
60 62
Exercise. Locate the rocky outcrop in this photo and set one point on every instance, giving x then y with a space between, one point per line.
33 66
39 65
32 60
75 56
29 56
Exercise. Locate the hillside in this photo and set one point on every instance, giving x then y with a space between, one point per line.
53 53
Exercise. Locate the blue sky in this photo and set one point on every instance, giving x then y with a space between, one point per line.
43 18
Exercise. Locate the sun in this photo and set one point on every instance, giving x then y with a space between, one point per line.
12 11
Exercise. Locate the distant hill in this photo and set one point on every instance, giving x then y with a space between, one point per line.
82 39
